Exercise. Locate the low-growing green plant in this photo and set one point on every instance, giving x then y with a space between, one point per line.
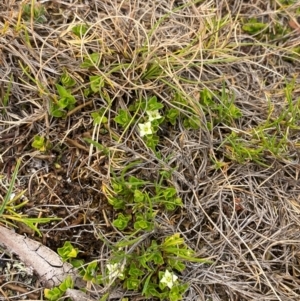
142 198
67 251
269 139
284 4
219 107
150 114
96 83
253 26
57 292
41 143
152 269
123 118
182 109
99 117
91 273
66 102
121 222
67 80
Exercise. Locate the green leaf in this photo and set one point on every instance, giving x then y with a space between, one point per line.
139 197
67 251
90 271
62 91
104 297
123 118
150 289
192 122
177 291
253 27
11 187
56 110
135 271
31 222
234 111
38 13
179 100
127 241
153 104
67 80
185 254
172 115
77 263
99 146
173 240
144 259
134 183
152 141
158 258
122 221
91 60
169 193
53 294
132 283
79 30
176 264
38 143
206 98
116 202
175 294
67 102
153 71
67 283
170 206
99 117
96 83
143 225
7 94
63 102
98 279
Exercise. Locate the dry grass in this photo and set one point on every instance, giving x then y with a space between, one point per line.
245 214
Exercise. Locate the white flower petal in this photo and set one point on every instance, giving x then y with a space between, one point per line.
115 270
145 128
152 115
169 279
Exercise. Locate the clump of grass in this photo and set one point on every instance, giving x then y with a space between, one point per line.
270 139
11 205
34 11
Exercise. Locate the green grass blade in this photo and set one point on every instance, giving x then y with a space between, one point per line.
11 187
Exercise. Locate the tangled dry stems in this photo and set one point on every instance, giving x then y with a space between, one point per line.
243 216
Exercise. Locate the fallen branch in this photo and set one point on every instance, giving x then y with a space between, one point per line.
45 263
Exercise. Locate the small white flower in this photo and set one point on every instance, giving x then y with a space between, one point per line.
115 270
152 115
169 279
145 128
